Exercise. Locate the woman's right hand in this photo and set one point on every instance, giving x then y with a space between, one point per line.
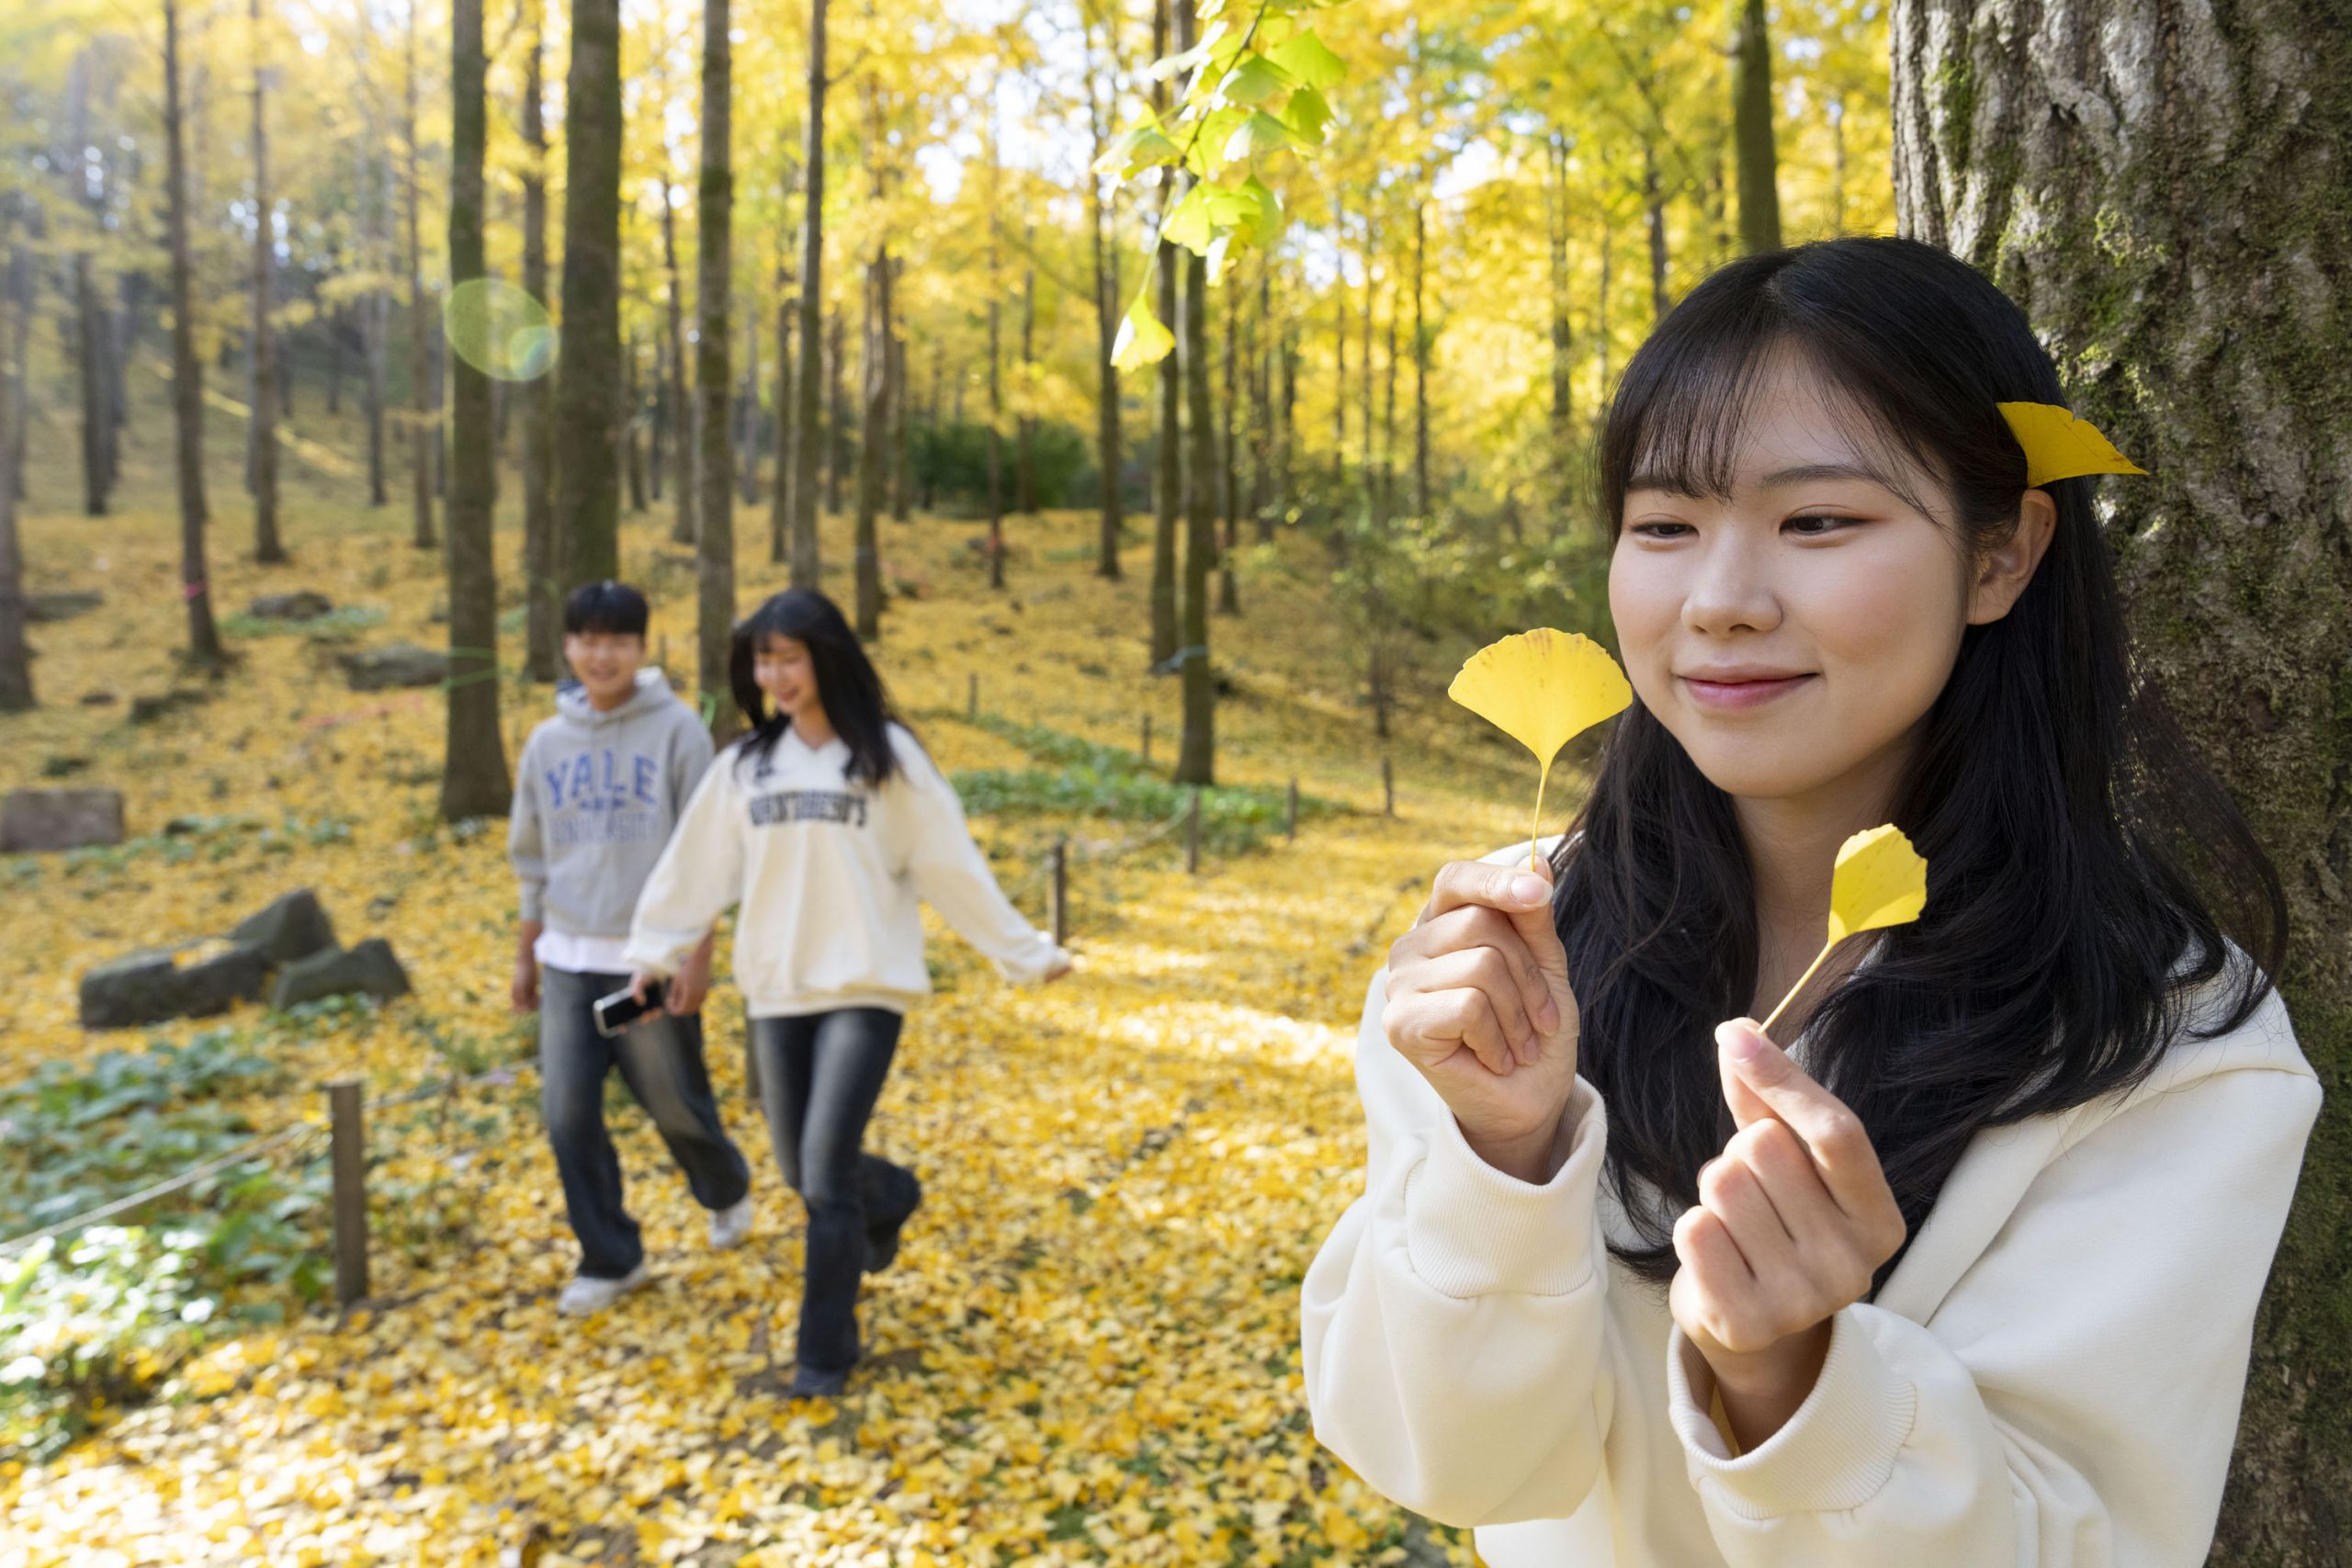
1478 1001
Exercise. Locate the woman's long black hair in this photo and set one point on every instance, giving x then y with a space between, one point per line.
857 703
2084 869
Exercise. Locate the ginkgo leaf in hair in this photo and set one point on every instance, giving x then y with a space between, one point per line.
2058 445
1541 688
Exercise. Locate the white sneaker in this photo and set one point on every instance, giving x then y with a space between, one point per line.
585 1295
728 1226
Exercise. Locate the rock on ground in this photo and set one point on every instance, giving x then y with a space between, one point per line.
368 968
60 818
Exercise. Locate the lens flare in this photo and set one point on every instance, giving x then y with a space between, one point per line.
499 329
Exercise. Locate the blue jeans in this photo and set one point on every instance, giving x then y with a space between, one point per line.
819 1077
661 1060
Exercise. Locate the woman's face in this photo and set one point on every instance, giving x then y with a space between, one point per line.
784 670
1796 634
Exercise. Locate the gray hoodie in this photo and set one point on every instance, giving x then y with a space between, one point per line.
595 797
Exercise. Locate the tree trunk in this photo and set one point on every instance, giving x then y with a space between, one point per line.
1025 465
1196 752
1751 94
996 388
188 376
1653 214
1388 409
1340 319
19 367
268 549
1262 353
747 423
1167 485
805 565
1228 592
714 291
1600 313
1369 474
1421 372
16 656
683 445
632 418
1286 430
873 428
338 325
587 496
837 421
1106 324
1564 443
420 323
98 408
543 591
902 444
474 781
2162 194
780 496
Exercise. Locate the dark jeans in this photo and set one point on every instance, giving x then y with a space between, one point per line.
819 1077
661 1060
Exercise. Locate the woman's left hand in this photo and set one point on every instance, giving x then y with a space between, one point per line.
1794 1219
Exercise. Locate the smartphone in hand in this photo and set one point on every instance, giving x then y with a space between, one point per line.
617 1011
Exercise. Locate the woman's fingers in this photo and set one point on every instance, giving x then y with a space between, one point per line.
1475 926
1426 1027
1493 976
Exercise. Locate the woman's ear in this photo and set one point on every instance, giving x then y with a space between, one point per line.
2003 571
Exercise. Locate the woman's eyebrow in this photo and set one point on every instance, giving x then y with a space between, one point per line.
1810 473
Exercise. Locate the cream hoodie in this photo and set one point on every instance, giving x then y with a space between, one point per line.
2050 1379
829 873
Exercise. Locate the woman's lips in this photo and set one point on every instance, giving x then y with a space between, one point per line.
1734 694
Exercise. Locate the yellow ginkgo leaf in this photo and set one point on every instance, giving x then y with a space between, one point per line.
2059 447
1541 688
1880 881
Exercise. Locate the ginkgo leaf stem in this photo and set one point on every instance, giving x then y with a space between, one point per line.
1766 1027
1536 827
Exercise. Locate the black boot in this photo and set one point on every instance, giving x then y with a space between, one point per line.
891 1193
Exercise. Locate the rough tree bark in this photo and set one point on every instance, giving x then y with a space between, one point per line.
188 376
874 428
587 495
780 493
714 290
677 398
474 781
2163 195
16 657
1106 307
421 424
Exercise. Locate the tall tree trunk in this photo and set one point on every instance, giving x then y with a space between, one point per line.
1369 473
2183 250
1421 372
632 417
338 326
805 565
268 549
683 445
374 325
837 421
873 429
902 444
780 496
188 376
543 591
747 423
1228 592
1025 467
420 323
97 409
996 386
1262 353
1653 214
1196 751
19 367
1388 409
587 498
474 781
1563 411
1167 465
16 656
714 291
1286 430
1751 94
1601 312
1340 318
657 449
1106 321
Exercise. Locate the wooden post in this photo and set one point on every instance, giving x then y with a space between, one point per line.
973 700
1193 835
1387 788
1291 820
1147 739
1061 892
347 1116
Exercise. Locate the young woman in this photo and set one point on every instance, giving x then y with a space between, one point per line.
1966 1276
827 822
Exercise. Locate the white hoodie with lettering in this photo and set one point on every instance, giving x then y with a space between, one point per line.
830 873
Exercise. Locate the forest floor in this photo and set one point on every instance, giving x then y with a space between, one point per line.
1086 1351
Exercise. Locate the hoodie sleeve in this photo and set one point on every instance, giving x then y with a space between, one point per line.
2072 1402
526 837
699 874
951 875
1454 1325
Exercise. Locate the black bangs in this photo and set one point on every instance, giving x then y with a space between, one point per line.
856 702
1902 383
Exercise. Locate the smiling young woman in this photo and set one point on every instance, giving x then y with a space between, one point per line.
1630 1283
